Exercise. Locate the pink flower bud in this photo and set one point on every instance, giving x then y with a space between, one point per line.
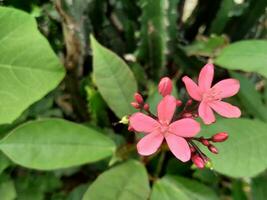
205 142
146 107
135 105
213 149
165 86
178 103
130 128
189 102
192 149
198 161
138 97
219 137
187 115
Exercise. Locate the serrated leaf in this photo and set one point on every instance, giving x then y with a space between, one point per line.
175 187
54 143
244 153
114 79
126 181
249 56
29 69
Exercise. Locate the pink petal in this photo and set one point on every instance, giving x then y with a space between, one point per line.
143 123
225 109
227 88
179 147
166 109
185 127
192 88
150 143
206 113
206 77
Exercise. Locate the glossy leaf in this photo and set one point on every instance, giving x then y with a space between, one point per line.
249 56
244 153
29 69
126 181
114 79
55 143
174 187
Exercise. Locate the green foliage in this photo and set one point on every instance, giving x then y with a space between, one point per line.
29 68
249 56
126 181
62 143
174 187
114 79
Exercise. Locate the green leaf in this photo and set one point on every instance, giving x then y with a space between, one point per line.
114 79
250 98
244 153
55 143
174 187
259 188
7 189
249 56
126 181
29 68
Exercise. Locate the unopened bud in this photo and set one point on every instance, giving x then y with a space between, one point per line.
165 86
187 115
198 161
130 128
192 149
219 137
135 105
189 102
178 103
204 141
138 97
213 149
146 107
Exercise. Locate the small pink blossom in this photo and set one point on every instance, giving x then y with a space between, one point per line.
211 97
156 130
165 86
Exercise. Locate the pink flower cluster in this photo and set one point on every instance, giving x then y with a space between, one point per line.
179 130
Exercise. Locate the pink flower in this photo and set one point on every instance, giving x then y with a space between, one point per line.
211 97
165 86
156 130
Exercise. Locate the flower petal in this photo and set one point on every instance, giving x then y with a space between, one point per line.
185 127
192 88
206 113
225 109
227 88
143 123
179 147
166 109
150 143
206 77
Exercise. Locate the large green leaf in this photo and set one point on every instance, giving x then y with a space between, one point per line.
174 187
29 69
114 79
126 181
259 187
244 153
249 56
250 98
55 143
7 188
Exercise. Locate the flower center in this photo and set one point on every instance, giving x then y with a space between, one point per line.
164 127
211 95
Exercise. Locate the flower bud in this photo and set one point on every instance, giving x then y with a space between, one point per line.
178 103
219 137
131 129
213 149
165 86
192 149
205 142
135 105
146 107
138 97
198 161
189 102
